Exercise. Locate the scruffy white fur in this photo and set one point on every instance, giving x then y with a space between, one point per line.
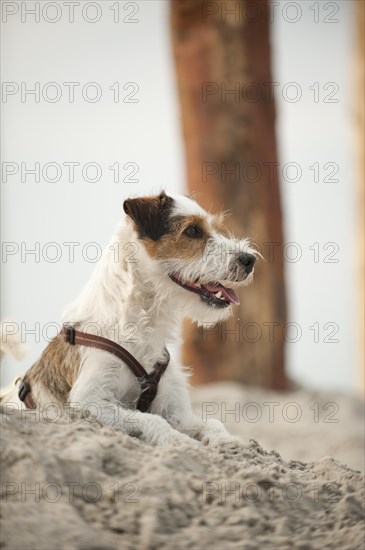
131 300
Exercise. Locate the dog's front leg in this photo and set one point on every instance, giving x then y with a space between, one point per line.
211 432
97 390
173 403
148 427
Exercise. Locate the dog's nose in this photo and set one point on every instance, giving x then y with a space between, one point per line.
247 261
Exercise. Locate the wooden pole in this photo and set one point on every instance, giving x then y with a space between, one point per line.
222 57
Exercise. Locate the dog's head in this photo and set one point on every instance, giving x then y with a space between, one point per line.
190 254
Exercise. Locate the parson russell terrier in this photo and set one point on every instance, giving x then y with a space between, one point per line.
169 259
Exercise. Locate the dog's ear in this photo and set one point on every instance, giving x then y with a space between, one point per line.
150 214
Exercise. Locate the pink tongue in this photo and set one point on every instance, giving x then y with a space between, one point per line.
228 293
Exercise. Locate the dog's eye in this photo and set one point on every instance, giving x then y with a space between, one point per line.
194 232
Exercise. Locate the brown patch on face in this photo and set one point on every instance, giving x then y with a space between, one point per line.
56 370
150 215
177 243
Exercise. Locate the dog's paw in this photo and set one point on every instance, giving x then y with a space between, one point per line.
216 435
177 439
173 437
186 440
227 441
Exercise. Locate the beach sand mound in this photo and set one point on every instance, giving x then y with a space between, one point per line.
74 484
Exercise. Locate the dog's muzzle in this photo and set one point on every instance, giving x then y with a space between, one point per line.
212 294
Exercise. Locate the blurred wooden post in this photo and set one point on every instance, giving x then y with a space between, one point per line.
222 56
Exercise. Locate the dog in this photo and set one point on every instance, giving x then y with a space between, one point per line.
169 259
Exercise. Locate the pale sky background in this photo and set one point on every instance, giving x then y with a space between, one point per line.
147 133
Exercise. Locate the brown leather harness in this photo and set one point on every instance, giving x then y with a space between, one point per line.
148 382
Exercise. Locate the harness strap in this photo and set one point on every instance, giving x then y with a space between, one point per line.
78 338
148 382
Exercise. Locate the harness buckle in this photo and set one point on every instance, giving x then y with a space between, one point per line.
70 335
149 388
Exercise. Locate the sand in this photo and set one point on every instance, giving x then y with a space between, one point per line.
74 484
